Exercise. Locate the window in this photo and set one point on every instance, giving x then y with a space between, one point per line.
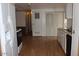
37 16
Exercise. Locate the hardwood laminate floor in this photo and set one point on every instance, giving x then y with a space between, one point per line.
0 51
40 46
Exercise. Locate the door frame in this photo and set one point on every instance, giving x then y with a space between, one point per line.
3 30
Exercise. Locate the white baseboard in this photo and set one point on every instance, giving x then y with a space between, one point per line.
19 48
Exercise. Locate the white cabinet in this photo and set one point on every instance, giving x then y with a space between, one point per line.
62 39
59 36
68 11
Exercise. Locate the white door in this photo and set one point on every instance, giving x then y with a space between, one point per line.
75 32
8 30
51 24
36 24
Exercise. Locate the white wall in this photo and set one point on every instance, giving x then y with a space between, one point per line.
42 20
60 19
20 18
46 5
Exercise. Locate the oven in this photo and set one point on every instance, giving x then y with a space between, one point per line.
68 44
19 37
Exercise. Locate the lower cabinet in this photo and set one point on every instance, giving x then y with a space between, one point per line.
62 39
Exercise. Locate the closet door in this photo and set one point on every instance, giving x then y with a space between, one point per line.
51 24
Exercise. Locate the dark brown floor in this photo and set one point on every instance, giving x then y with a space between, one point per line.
40 46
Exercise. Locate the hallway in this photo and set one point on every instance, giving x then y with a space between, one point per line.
40 46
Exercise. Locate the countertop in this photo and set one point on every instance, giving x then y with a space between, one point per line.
67 32
18 30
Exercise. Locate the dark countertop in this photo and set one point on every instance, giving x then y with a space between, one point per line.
18 30
65 30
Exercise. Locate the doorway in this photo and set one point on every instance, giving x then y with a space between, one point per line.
23 25
23 21
28 22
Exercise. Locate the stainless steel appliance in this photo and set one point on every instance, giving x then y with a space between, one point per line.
68 44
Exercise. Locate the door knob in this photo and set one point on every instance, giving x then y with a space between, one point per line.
73 31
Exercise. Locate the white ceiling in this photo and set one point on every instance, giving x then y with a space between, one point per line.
22 6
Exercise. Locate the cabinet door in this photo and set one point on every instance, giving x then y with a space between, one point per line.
58 34
63 41
60 37
68 11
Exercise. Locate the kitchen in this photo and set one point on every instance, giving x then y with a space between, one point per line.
64 31
67 32
65 35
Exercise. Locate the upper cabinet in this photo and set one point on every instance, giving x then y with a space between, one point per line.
68 11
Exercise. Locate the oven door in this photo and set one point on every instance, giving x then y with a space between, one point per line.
68 45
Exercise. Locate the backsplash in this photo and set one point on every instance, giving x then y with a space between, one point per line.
69 23
65 23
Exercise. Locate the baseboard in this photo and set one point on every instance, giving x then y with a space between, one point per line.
46 37
19 48
52 37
